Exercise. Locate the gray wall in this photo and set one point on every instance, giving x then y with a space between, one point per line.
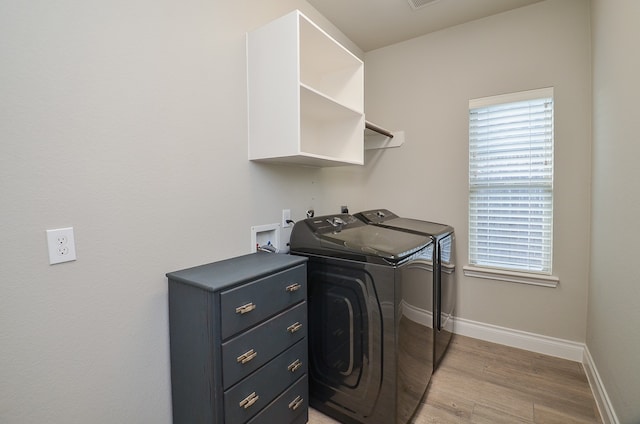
613 336
127 120
423 87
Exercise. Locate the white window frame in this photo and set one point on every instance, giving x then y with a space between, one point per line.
513 273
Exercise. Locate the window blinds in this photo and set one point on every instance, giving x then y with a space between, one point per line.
511 181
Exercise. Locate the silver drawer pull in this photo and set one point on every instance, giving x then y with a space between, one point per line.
249 400
247 356
294 327
294 366
245 308
296 403
293 287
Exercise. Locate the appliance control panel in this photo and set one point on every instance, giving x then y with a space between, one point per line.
377 215
333 223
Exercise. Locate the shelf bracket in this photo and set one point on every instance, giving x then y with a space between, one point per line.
376 137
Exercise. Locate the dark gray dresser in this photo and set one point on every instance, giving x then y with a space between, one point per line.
238 338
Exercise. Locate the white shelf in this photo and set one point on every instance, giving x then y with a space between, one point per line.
306 95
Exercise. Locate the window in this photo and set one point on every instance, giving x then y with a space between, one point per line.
511 182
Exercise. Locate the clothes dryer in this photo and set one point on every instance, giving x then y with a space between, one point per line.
368 362
441 264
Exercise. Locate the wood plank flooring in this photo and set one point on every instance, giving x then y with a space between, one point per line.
486 383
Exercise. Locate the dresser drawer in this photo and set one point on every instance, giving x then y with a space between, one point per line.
252 394
251 303
289 405
254 348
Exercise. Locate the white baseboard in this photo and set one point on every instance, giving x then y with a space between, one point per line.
423 317
599 393
551 346
560 348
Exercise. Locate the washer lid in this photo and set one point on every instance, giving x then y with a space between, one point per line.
424 227
345 236
386 218
379 241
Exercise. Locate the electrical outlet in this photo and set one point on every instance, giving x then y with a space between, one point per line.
286 216
62 246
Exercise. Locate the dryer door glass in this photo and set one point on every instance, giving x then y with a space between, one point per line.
345 337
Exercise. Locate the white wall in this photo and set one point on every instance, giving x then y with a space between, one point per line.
423 86
127 121
613 336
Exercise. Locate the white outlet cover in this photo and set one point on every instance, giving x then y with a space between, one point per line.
62 245
286 216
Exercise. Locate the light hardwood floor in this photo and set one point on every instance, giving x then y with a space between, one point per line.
486 383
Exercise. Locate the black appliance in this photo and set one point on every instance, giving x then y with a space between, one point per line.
442 300
369 362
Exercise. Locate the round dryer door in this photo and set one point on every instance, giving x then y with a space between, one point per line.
345 337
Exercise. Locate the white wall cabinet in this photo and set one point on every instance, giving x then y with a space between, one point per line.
305 95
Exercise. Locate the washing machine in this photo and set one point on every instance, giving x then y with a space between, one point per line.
369 361
442 300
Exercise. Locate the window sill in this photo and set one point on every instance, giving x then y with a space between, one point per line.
511 276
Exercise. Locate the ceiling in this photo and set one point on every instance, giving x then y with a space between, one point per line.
372 24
